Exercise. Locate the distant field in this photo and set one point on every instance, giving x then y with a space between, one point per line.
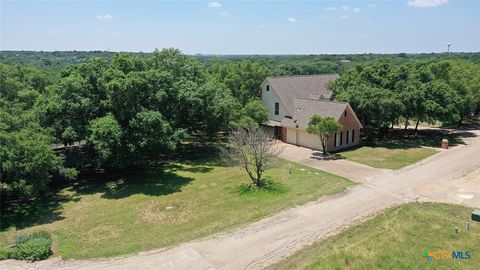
396 239
164 206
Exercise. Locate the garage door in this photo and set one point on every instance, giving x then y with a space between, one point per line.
308 140
291 136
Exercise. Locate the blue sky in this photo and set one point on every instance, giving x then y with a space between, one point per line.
242 27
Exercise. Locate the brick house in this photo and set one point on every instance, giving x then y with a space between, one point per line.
292 100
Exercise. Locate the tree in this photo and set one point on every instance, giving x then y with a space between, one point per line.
256 110
106 136
323 127
253 150
28 165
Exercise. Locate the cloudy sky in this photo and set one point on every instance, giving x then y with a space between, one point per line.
242 27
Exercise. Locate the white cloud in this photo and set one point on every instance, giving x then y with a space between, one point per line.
356 9
365 35
291 19
426 3
104 17
331 9
345 7
224 13
214 4
344 17
55 33
260 26
372 5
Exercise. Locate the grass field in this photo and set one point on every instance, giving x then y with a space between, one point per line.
387 158
163 206
396 239
400 148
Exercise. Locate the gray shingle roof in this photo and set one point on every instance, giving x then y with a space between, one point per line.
305 86
304 109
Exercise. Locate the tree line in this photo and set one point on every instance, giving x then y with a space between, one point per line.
383 94
128 109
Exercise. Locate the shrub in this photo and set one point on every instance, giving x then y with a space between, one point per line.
4 253
32 246
33 250
22 238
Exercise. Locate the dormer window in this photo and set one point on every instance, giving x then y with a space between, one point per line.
268 87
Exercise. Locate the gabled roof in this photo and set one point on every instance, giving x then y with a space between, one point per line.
304 108
305 86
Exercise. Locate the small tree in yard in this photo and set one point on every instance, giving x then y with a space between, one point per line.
324 127
252 149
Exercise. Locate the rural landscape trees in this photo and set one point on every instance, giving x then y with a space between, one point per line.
383 94
128 109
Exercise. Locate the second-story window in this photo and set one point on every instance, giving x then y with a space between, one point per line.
268 87
277 108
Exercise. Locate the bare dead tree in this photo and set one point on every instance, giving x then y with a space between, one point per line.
252 149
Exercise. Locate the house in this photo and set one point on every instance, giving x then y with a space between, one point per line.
292 100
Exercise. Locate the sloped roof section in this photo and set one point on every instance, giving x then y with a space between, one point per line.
304 108
306 86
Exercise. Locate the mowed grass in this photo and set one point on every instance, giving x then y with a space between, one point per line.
387 158
396 239
166 206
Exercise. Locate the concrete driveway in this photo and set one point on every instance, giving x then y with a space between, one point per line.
271 239
354 171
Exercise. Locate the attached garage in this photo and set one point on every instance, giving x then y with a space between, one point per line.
291 136
308 140
302 138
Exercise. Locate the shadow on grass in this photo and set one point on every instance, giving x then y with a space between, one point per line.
271 188
406 139
23 214
153 181
156 181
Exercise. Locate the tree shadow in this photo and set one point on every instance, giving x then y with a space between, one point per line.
153 181
406 139
318 155
27 213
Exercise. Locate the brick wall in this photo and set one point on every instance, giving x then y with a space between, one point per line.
348 122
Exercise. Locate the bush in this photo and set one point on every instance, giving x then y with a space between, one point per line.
5 253
31 246
33 250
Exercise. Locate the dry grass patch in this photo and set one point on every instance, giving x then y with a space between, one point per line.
169 205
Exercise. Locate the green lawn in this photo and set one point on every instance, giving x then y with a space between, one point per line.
396 239
387 158
163 206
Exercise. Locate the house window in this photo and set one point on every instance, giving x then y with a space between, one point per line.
348 136
341 138
345 113
277 108
338 139
353 135
268 87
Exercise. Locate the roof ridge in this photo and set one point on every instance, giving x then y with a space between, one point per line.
323 100
305 75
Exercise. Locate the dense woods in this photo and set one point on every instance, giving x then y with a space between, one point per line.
128 108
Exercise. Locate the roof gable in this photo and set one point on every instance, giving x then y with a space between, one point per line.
305 108
307 86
